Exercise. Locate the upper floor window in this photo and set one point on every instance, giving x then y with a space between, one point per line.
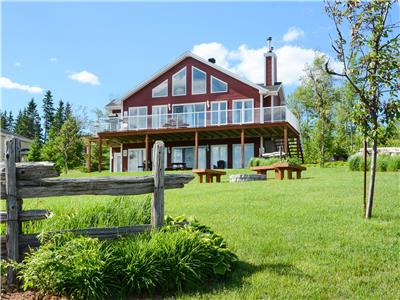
198 81
218 86
160 90
179 83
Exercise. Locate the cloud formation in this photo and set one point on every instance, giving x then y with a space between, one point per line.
7 83
249 63
292 34
53 60
85 77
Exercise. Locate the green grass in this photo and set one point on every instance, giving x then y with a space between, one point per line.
295 239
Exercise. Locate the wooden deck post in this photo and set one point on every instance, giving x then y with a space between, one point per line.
261 146
146 162
12 208
196 150
285 141
100 153
89 160
242 145
157 207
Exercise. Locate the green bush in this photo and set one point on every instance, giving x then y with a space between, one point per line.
394 163
384 162
176 258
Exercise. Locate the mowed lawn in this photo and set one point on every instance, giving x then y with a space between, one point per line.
295 239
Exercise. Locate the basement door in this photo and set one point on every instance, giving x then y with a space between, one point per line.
117 161
136 159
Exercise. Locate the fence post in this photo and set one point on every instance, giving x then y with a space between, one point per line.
12 208
157 207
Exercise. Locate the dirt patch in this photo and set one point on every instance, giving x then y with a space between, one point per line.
28 295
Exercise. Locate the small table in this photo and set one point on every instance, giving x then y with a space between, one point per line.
210 174
279 169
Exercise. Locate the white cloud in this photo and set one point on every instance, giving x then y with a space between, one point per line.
7 83
292 34
53 60
18 64
249 63
85 77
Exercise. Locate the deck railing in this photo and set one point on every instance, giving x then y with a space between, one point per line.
198 119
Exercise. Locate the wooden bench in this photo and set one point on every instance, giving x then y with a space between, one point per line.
210 174
279 169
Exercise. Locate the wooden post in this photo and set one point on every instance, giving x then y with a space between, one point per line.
100 153
12 209
146 162
157 208
261 146
89 160
285 141
242 144
196 150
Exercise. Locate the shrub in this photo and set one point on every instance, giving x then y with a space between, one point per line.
394 163
354 162
384 162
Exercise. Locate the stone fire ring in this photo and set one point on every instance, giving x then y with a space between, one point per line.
246 177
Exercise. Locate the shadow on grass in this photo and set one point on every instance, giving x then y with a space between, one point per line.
244 270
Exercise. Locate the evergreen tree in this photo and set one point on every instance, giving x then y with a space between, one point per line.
10 122
33 121
59 117
21 123
49 150
3 120
48 112
68 111
34 153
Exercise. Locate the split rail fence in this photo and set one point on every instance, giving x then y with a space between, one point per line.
35 180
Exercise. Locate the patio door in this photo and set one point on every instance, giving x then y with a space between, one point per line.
137 117
136 159
219 152
117 162
237 154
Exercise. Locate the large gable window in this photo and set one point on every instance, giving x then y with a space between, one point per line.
179 83
218 86
160 90
198 81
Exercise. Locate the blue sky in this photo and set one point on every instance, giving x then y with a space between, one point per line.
88 53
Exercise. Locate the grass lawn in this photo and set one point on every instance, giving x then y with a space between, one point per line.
295 239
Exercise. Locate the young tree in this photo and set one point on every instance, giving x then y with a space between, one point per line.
21 123
34 128
370 56
35 148
67 111
48 113
69 144
317 95
59 117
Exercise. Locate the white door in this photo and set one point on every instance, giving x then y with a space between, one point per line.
237 154
137 117
135 159
117 162
202 157
219 152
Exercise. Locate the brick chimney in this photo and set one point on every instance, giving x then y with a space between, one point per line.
270 65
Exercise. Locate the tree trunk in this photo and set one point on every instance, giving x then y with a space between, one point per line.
322 163
365 173
368 212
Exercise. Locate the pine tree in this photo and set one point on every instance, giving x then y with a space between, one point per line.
10 122
59 117
35 148
33 121
21 123
48 113
68 111
3 120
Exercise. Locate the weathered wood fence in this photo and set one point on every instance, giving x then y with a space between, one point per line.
27 180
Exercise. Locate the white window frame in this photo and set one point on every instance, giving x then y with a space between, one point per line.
152 91
219 111
205 81
242 111
211 85
158 116
129 116
194 103
184 147
173 94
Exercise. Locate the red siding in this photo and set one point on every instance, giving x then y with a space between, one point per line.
236 88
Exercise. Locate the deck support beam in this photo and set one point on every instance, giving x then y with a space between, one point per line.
89 159
285 140
242 145
196 148
100 153
146 162
261 146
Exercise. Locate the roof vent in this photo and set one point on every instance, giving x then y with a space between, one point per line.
212 60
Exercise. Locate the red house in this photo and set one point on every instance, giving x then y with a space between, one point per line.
207 116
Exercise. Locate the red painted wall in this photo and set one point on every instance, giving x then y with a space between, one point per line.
236 89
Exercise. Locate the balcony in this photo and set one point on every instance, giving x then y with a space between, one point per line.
197 119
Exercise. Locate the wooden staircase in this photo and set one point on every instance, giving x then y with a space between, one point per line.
295 148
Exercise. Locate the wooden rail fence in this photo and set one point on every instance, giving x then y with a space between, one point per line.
26 180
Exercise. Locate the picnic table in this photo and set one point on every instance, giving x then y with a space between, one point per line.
209 173
279 169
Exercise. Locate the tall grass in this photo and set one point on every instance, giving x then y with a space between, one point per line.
384 162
